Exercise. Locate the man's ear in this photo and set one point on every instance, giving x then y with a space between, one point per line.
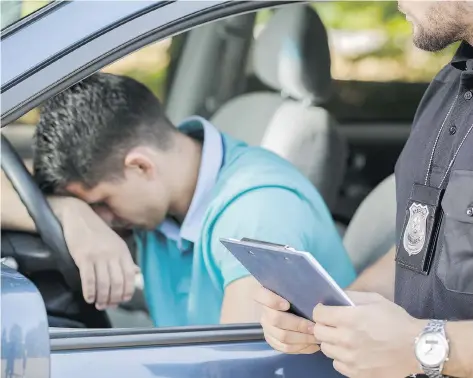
140 161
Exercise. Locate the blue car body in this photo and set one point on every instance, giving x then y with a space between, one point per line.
29 349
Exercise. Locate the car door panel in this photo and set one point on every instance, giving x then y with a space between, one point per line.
230 351
232 359
25 347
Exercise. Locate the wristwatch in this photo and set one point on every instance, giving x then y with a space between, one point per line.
432 348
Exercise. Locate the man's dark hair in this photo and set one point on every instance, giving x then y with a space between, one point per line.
85 132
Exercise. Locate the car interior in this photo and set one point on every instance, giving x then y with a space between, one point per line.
274 89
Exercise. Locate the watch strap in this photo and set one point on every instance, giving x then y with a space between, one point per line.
433 373
435 326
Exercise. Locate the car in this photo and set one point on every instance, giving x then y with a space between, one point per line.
47 328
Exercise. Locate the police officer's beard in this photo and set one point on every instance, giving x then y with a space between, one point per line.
435 40
440 32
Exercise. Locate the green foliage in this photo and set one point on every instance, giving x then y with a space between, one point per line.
31 6
384 16
360 15
263 16
376 15
154 80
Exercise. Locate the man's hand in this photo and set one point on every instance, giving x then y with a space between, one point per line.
373 339
106 268
283 331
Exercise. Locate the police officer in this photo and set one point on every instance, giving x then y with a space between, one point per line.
414 312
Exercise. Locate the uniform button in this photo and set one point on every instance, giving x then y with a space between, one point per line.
452 130
468 95
469 211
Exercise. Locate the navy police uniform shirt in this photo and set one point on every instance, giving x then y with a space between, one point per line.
446 290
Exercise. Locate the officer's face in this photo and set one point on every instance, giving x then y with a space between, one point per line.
437 24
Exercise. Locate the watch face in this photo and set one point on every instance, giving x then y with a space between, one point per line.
431 349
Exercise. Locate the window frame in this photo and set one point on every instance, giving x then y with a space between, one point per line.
67 339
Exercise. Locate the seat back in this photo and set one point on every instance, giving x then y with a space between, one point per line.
372 230
291 56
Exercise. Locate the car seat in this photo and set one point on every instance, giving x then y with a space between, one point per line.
291 56
372 230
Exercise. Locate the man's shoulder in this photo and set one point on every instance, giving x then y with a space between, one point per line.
247 161
259 169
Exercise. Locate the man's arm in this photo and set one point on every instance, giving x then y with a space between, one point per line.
106 268
272 214
14 215
378 278
238 304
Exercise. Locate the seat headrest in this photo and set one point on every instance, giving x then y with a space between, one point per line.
292 54
309 139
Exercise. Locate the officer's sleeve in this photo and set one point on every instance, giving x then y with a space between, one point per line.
274 215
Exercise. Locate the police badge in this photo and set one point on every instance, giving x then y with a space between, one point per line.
414 234
419 234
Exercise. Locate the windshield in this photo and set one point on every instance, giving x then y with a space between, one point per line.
14 10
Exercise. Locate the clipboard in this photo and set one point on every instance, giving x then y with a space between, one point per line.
294 275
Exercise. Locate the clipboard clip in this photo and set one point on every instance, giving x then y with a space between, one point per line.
285 246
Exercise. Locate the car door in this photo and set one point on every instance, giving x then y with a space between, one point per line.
67 42
221 351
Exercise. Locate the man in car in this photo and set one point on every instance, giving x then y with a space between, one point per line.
108 156
429 276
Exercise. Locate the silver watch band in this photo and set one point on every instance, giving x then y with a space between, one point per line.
434 326
433 373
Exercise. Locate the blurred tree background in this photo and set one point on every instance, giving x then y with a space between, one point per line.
395 57
370 41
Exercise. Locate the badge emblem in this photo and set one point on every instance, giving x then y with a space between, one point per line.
414 234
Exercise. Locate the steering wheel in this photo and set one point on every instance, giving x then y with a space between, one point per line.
54 254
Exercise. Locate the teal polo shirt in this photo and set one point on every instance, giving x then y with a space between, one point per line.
241 191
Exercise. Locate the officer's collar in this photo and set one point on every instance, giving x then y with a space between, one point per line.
463 54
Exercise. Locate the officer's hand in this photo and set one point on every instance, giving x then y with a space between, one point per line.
106 268
373 339
284 331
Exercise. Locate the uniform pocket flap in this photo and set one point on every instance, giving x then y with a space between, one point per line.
457 202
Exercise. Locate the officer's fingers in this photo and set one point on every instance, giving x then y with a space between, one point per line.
286 321
289 337
267 298
291 349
